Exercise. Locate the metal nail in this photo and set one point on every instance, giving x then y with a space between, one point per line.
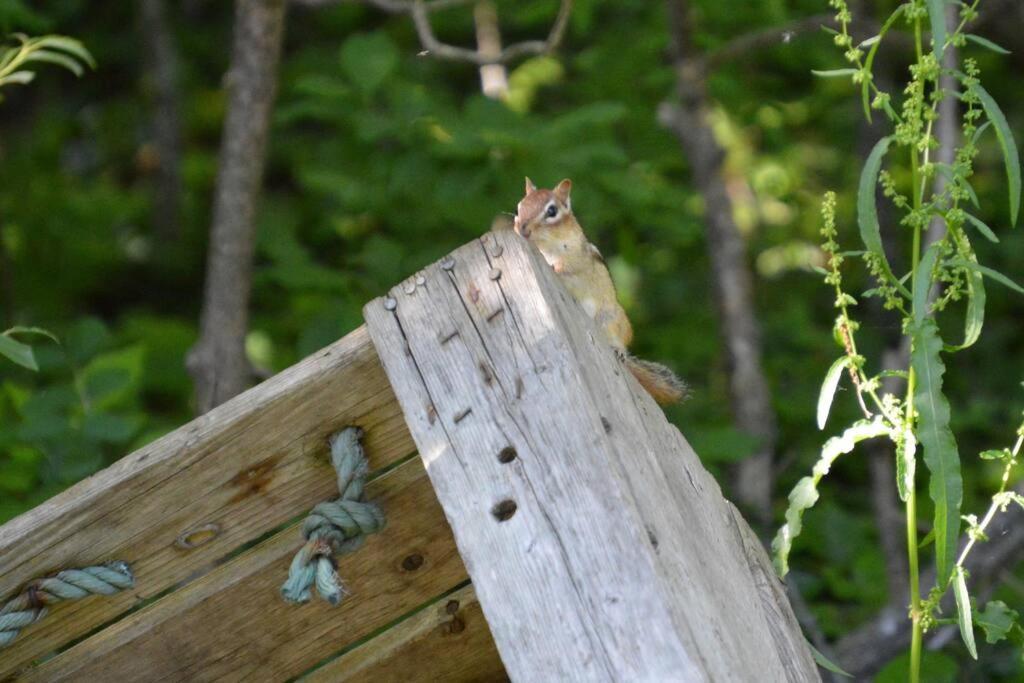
495 273
447 263
390 303
410 287
420 280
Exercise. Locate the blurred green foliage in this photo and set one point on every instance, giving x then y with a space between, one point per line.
382 161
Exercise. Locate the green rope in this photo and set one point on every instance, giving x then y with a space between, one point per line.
335 527
29 606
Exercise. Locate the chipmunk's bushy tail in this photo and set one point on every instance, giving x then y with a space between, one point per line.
661 383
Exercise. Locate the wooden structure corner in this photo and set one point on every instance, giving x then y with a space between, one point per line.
554 525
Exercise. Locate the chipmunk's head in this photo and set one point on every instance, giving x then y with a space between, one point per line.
543 209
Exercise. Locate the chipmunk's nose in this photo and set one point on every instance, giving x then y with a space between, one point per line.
520 228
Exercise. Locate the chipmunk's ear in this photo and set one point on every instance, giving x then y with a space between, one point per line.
562 191
530 187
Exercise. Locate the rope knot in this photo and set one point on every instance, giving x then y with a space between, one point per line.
334 527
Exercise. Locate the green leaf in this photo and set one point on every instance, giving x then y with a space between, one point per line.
826 663
805 494
982 228
923 281
69 45
994 454
974 318
834 73
963 609
56 58
1009 147
985 42
19 77
867 211
940 451
37 331
988 272
828 389
369 59
865 86
928 539
18 353
906 463
996 621
937 16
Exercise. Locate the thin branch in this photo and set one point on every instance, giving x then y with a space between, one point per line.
435 48
389 6
757 40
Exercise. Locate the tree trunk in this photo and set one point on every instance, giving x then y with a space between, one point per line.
218 363
749 393
493 77
162 77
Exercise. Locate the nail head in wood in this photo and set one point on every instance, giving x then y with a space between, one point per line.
420 280
390 304
447 263
410 287
495 273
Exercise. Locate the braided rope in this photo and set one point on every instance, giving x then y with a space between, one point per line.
30 605
335 527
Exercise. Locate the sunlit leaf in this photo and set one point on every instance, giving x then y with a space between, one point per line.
805 494
982 228
990 273
828 389
974 318
834 73
963 610
18 353
867 210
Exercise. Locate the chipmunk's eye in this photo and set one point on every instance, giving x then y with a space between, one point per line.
552 211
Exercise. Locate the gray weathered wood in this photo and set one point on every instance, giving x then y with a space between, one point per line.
621 559
218 482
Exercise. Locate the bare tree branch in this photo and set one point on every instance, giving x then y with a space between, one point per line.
434 47
217 362
749 395
389 6
757 40
162 62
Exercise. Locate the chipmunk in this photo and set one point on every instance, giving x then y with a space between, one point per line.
545 218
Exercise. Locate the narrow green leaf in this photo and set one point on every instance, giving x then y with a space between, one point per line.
937 17
940 451
69 45
875 42
805 494
826 663
18 353
988 272
828 389
37 331
923 281
1009 147
996 621
928 539
985 42
19 77
994 454
56 58
833 73
867 210
981 129
963 609
989 234
974 318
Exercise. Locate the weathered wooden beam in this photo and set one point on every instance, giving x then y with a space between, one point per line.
598 545
232 622
448 641
176 507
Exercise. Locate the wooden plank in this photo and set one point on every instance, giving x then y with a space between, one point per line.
243 469
449 641
598 545
233 624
